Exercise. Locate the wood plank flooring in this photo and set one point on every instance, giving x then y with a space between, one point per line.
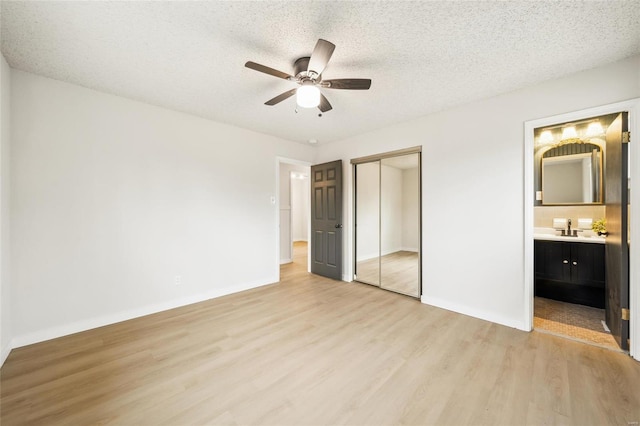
400 272
310 350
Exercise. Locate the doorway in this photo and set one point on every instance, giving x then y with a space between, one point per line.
570 292
387 205
293 211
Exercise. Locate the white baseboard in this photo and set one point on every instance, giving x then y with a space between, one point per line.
411 249
88 324
391 251
285 261
465 310
369 256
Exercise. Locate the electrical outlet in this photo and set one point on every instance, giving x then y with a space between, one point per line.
177 280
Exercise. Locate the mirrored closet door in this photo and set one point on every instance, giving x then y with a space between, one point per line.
387 218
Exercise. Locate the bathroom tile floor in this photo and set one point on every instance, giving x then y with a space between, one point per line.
577 322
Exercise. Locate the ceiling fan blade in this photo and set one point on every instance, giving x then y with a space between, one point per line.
268 70
320 56
324 104
281 97
347 83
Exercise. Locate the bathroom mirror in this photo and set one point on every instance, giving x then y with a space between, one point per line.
572 174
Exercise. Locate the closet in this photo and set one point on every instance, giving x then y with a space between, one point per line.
387 208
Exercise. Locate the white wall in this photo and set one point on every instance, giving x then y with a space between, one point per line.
5 133
396 216
284 200
368 211
300 205
473 186
411 209
112 198
390 209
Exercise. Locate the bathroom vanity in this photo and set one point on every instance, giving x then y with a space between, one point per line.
570 269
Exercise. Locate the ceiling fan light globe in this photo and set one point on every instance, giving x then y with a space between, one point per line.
308 96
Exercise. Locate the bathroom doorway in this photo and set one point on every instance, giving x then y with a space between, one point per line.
577 233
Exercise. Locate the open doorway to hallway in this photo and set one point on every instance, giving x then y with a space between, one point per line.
300 253
294 214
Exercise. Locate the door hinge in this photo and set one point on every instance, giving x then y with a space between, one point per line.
626 137
626 315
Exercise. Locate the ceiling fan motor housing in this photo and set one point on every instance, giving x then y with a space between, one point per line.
300 69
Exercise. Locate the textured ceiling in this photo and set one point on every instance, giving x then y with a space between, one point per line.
422 56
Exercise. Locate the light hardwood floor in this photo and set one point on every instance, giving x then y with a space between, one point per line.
310 350
400 272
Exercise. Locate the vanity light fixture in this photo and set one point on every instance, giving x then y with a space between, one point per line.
545 137
569 132
594 129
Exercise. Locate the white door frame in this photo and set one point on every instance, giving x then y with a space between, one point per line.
285 160
633 107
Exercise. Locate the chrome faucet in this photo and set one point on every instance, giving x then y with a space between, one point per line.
567 232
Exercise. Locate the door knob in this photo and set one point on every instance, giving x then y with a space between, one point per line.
338 225
565 261
574 263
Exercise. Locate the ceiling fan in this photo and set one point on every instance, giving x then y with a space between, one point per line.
308 75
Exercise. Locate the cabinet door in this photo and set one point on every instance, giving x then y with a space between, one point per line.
552 260
587 264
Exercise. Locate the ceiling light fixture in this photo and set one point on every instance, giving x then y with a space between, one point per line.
308 95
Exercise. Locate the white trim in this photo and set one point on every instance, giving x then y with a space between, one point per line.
411 249
634 218
633 107
472 312
367 256
370 256
91 323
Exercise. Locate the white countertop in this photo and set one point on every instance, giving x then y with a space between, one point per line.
578 239
549 234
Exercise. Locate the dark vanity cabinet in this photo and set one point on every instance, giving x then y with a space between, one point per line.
570 271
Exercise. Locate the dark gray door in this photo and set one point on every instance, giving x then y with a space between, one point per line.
617 247
326 219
